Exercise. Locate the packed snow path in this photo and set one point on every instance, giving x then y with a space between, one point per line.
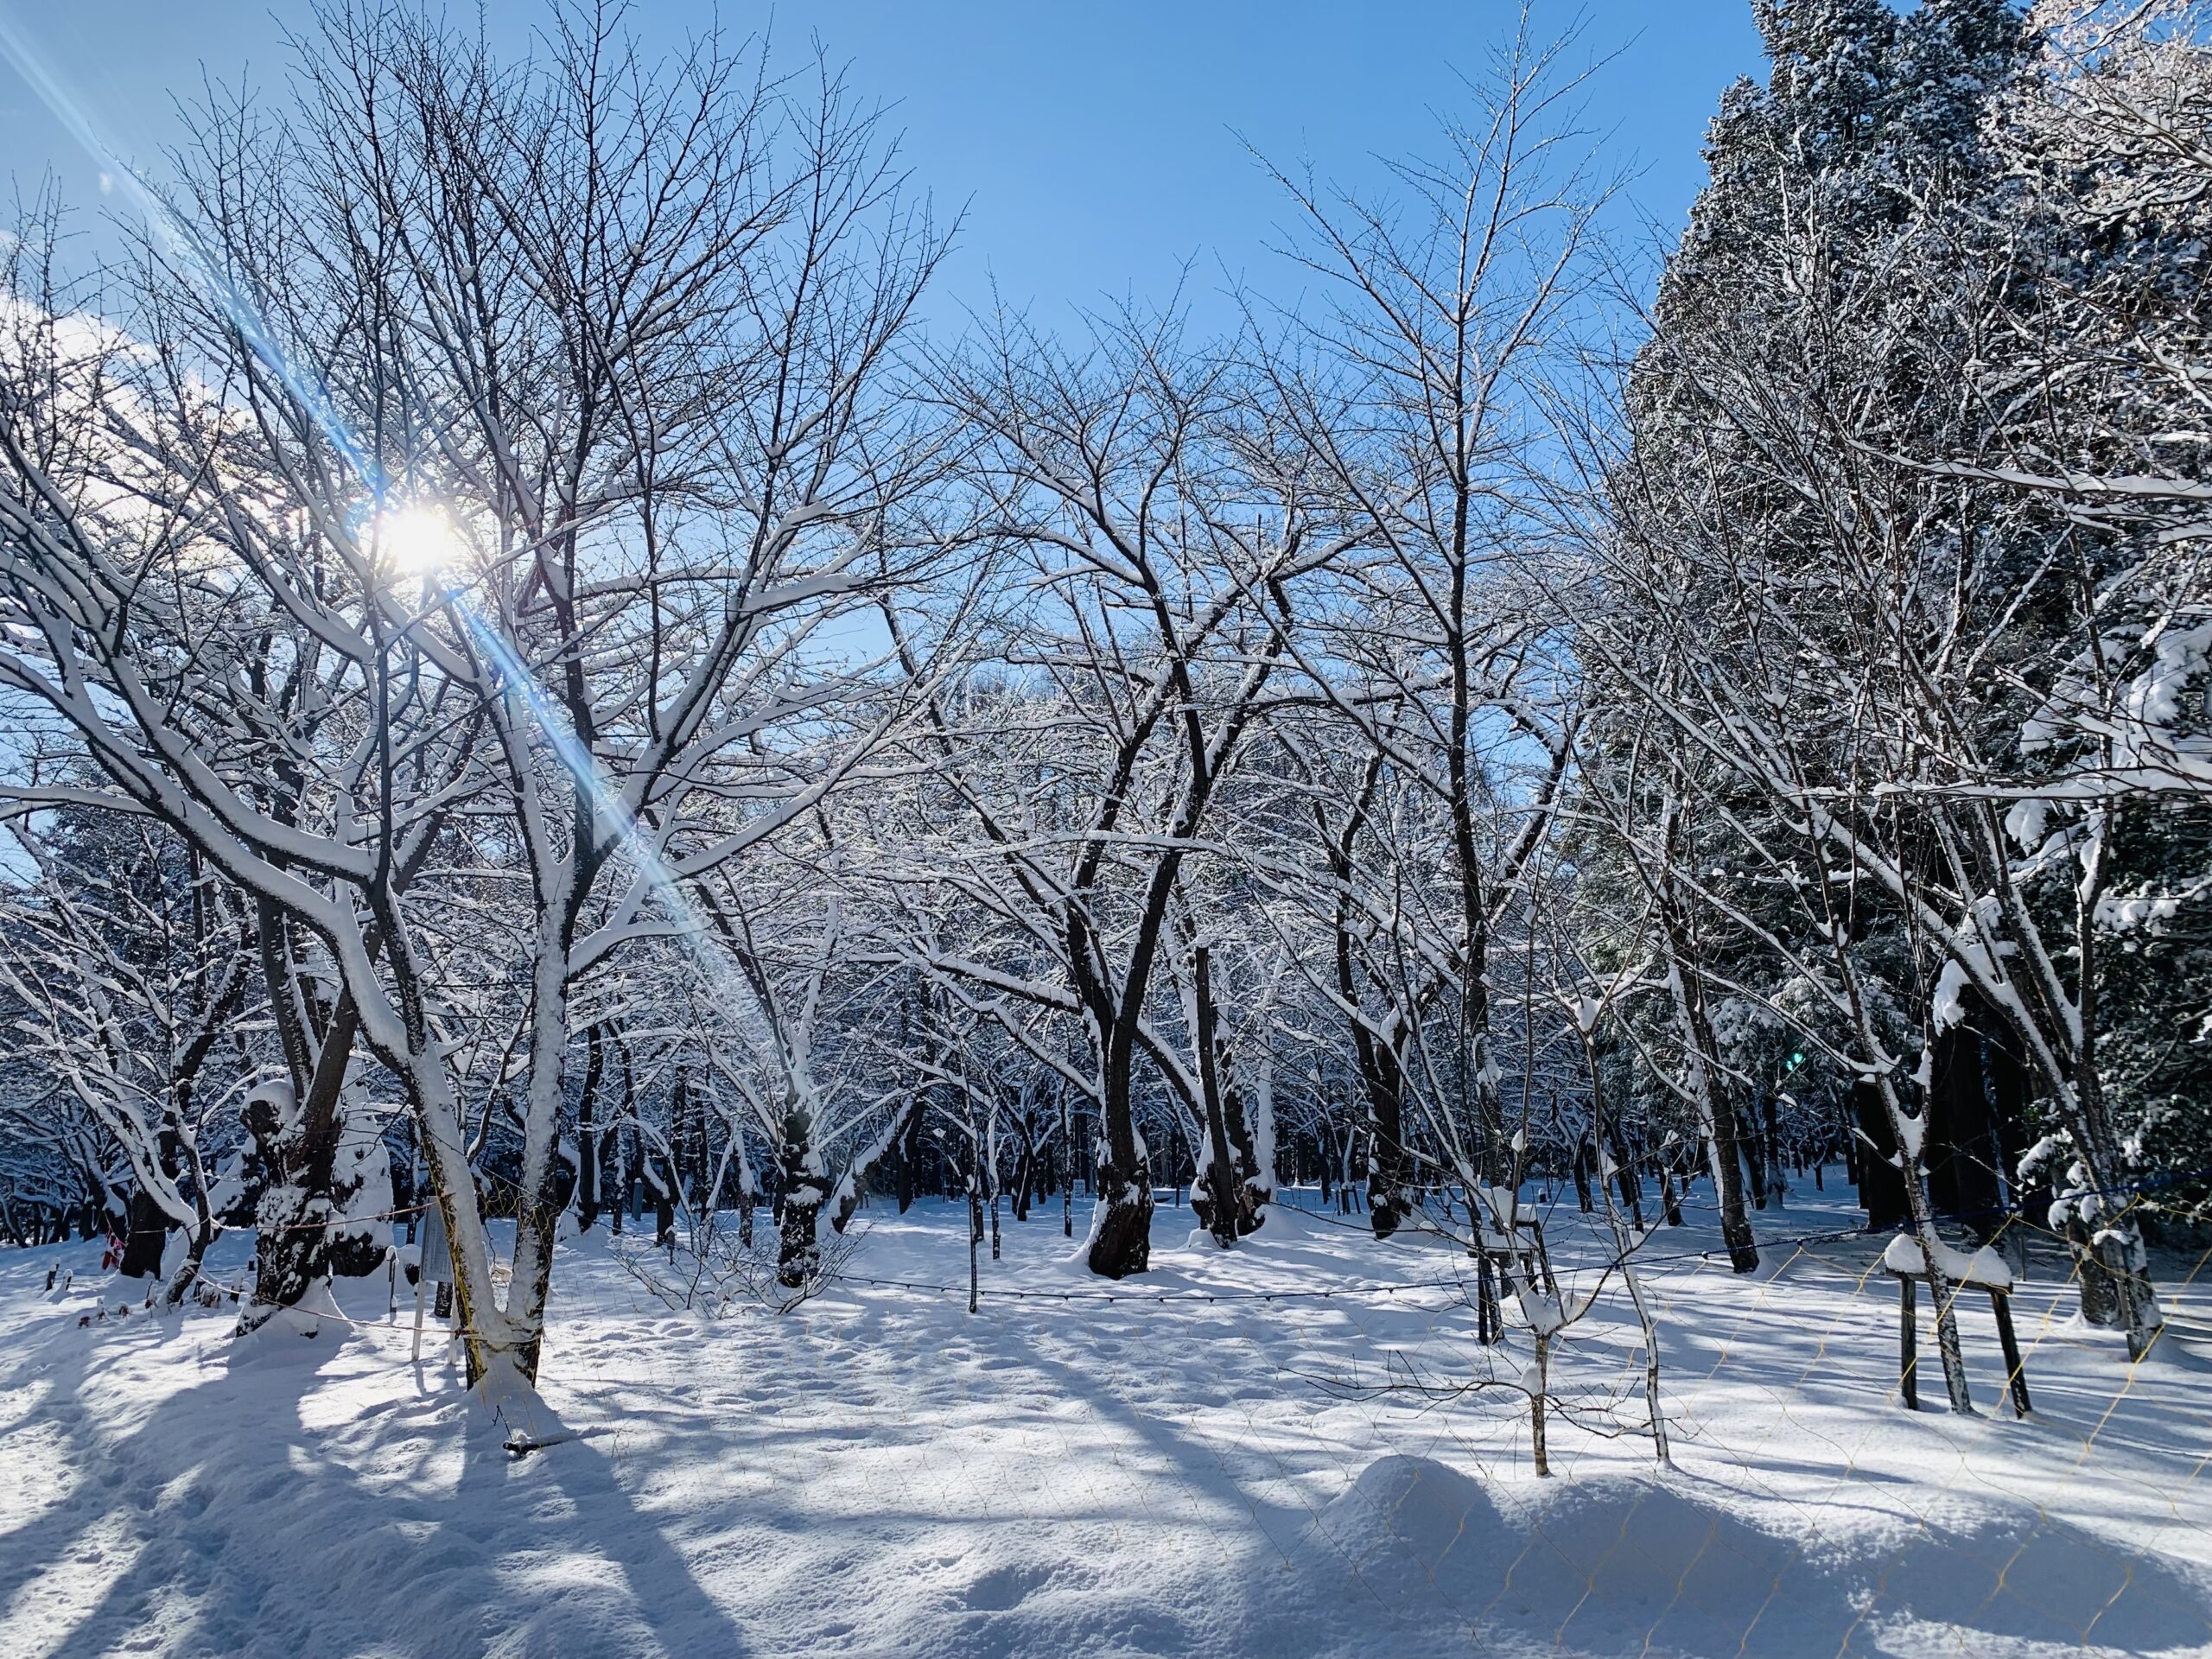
881 1472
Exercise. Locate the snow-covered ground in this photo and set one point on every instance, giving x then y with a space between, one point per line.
1212 1473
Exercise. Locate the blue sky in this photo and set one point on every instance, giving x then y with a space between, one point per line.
1095 148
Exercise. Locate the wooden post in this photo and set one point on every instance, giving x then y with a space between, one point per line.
2016 1374
1907 1336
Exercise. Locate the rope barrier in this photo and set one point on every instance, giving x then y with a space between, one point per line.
1017 1295
1636 1253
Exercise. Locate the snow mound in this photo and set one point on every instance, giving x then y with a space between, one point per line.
1599 1567
1984 1270
1622 1564
277 1339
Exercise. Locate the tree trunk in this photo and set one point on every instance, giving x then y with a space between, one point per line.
1227 1210
1391 1198
299 1147
1770 1144
147 1231
799 1254
587 1137
1942 1293
910 1156
1627 1178
1881 1188
1747 1141
1704 1086
974 1236
196 1240
1536 1399
1121 1242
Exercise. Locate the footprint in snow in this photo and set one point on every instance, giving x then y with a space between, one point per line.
1006 1587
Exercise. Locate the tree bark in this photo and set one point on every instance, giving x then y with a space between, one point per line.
147 1231
1227 1210
1705 1090
299 1145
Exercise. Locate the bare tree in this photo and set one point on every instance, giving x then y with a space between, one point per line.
498 441
1449 311
131 986
1162 530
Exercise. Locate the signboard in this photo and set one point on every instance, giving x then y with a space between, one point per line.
437 1255
436 1269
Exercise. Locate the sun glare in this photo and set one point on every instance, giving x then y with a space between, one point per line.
417 541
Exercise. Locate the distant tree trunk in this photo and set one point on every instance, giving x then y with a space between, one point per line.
1881 1186
1769 1139
748 1191
1024 1171
974 1233
147 1230
1705 1088
1390 1178
663 1182
1754 1157
1670 1202
1627 1178
588 1148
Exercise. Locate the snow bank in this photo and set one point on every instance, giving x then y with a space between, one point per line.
1608 1565
1623 1565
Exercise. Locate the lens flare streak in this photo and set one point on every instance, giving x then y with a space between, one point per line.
419 537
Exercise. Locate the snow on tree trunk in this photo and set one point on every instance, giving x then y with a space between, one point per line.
1120 1241
1389 1165
360 1189
298 1146
1231 1206
805 1190
1120 1223
196 1240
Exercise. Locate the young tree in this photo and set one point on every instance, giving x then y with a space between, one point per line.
1450 315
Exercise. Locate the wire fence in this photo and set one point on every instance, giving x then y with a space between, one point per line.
1807 1507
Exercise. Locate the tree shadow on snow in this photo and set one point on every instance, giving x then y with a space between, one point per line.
244 1532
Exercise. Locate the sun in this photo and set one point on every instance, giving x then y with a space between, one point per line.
417 541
